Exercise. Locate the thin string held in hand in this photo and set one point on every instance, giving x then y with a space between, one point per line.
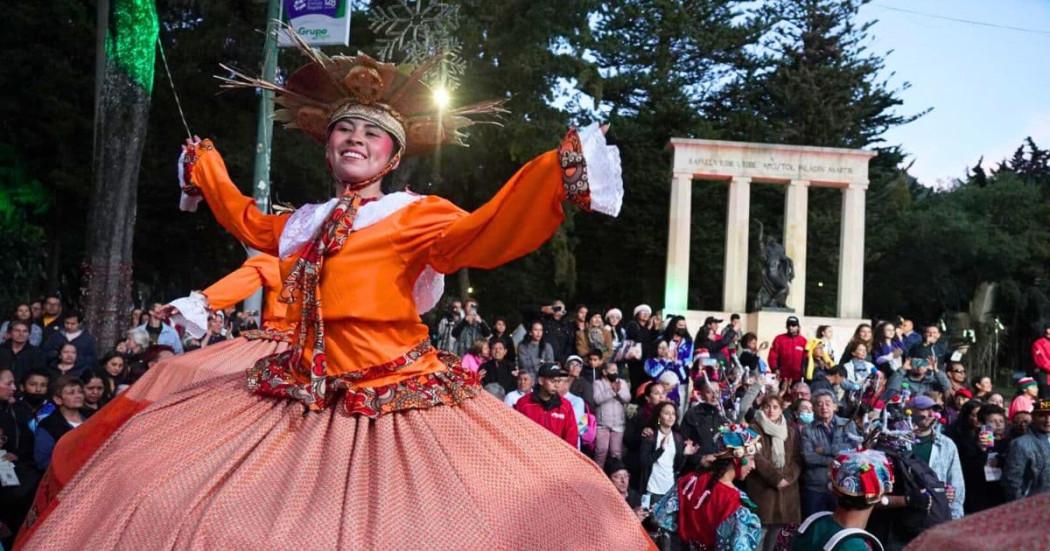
174 93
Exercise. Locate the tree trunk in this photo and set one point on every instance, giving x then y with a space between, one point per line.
121 116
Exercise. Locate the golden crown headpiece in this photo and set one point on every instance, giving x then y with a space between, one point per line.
395 98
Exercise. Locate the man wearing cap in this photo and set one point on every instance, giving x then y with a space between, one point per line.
1027 470
921 377
938 451
708 338
788 352
544 405
859 479
1041 359
1027 393
577 384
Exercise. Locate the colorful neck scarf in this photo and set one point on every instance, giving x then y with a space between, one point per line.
279 374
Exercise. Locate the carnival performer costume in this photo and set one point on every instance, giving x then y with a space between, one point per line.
713 515
359 434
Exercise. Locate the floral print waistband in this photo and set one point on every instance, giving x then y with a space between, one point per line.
451 386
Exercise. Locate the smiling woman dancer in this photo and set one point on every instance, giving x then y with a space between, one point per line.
359 435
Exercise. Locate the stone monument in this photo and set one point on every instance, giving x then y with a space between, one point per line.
798 168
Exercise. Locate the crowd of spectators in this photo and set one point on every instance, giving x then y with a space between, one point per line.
644 397
655 395
53 376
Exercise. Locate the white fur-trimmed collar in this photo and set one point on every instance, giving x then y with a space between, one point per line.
307 220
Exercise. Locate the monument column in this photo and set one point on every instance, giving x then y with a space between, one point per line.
676 288
734 287
796 215
851 251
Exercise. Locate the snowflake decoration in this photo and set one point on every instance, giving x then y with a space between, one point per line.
417 30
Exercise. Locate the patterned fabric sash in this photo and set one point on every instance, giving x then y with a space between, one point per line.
275 375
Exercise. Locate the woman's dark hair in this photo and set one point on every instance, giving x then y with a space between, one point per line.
654 418
748 337
878 335
852 503
977 380
108 381
719 469
962 423
987 410
820 330
672 323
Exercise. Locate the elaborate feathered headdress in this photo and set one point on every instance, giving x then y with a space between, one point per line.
395 98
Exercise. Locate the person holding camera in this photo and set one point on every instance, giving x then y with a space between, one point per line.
469 330
443 338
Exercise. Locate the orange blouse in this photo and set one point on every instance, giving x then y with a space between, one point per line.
366 288
261 270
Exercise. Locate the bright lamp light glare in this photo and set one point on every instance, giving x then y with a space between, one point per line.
441 97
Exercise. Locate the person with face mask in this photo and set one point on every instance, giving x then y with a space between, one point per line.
803 412
822 440
32 404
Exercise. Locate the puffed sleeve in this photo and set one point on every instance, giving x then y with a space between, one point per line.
237 285
524 214
204 168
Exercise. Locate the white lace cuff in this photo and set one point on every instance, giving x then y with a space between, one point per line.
193 314
603 171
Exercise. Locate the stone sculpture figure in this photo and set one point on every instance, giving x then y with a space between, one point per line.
777 272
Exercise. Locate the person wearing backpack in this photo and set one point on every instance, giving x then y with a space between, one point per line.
859 480
939 452
919 500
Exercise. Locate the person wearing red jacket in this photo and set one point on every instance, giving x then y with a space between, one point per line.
1041 359
544 406
787 352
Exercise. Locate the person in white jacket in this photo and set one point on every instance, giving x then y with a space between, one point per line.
611 395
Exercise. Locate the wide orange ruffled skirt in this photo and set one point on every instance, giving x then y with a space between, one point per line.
216 467
74 449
